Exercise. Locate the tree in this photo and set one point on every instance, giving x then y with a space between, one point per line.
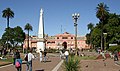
28 27
16 36
7 36
109 23
19 35
90 27
102 13
95 37
88 38
8 13
113 28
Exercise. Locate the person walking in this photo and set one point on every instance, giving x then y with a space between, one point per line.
116 56
45 53
66 55
18 61
30 56
14 56
40 55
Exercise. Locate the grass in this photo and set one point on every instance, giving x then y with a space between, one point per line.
87 58
9 60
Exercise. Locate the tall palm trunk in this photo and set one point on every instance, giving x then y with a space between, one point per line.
7 21
90 42
8 30
28 40
102 43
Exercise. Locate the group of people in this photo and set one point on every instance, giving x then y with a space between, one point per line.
114 55
41 55
18 61
5 51
28 58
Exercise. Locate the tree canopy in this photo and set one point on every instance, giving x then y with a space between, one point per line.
8 13
109 23
14 36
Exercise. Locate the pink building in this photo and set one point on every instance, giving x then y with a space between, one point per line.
57 41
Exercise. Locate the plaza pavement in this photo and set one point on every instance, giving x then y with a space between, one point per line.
98 64
52 64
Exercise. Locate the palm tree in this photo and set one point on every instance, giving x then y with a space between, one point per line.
8 13
28 27
102 12
90 27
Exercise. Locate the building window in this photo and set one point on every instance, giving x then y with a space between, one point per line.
71 37
57 37
64 38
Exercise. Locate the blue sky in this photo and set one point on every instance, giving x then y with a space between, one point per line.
56 13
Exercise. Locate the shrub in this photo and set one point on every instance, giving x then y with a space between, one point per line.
72 64
52 50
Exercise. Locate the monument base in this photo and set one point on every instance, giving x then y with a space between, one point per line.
40 46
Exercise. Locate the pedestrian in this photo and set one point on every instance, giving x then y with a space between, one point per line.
111 55
18 61
103 54
66 55
30 56
14 56
61 55
40 55
0 51
45 54
115 56
5 52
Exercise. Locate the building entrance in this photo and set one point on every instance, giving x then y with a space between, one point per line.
64 44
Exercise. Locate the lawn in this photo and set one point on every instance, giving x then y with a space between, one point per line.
87 58
9 60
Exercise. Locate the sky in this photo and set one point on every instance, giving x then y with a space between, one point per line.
57 14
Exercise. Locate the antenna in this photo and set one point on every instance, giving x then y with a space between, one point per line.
61 29
64 29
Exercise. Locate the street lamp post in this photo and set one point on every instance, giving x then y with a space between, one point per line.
75 17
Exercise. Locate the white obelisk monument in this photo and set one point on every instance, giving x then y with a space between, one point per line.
41 41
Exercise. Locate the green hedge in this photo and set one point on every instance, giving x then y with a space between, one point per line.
52 50
114 48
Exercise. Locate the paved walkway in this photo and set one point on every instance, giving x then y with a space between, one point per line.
99 65
51 63
54 62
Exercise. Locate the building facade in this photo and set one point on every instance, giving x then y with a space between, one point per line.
58 41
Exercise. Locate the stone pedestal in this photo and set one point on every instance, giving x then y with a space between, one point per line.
40 44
